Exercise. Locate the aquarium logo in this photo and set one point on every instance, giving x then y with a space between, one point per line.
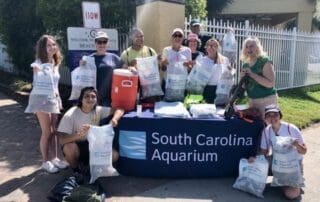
132 144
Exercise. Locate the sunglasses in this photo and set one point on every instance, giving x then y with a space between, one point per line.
102 41
177 35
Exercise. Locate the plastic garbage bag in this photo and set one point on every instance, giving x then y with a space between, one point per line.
286 168
224 86
43 96
203 111
229 46
199 77
83 76
100 146
252 176
149 77
176 82
43 81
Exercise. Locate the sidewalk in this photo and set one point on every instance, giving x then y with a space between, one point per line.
21 179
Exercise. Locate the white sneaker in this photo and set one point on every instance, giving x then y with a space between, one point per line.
49 167
59 164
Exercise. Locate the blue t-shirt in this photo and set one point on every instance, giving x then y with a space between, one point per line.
105 65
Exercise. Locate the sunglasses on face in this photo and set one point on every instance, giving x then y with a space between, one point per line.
102 41
177 35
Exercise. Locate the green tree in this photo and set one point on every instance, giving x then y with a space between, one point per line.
20 27
196 8
316 16
216 6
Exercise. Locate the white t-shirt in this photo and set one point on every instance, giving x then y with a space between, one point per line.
74 118
285 130
173 56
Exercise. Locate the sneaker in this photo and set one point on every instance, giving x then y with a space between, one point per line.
59 164
49 167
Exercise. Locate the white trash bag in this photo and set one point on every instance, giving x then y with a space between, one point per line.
198 77
43 96
286 168
83 76
176 82
43 81
224 86
149 77
203 110
252 176
229 46
100 146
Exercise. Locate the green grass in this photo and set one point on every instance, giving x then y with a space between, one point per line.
301 106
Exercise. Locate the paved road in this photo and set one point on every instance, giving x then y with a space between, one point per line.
21 179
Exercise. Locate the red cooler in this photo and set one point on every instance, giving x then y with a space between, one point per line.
124 89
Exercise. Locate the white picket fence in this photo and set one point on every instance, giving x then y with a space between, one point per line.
295 55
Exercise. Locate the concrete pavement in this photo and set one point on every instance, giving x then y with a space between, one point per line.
21 179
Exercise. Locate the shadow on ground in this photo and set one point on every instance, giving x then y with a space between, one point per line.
36 186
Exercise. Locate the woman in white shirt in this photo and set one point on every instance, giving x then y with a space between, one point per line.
47 107
277 130
171 57
216 60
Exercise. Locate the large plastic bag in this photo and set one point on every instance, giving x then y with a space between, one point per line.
83 76
286 168
100 146
199 77
252 176
203 110
224 86
43 81
229 46
170 109
43 96
176 82
149 77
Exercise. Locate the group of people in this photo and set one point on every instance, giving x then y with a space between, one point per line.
94 104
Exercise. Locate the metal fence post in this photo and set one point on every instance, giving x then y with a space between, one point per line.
292 57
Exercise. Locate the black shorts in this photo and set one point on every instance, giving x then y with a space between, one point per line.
84 152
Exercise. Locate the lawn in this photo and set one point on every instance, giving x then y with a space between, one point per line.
301 106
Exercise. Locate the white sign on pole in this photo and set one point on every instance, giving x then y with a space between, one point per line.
91 14
80 38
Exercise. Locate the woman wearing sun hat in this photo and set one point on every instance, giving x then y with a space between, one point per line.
105 63
172 58
279 131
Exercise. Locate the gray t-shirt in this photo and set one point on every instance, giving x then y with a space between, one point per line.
74 118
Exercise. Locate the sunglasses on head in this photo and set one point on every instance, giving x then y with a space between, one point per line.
177 35
102 41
